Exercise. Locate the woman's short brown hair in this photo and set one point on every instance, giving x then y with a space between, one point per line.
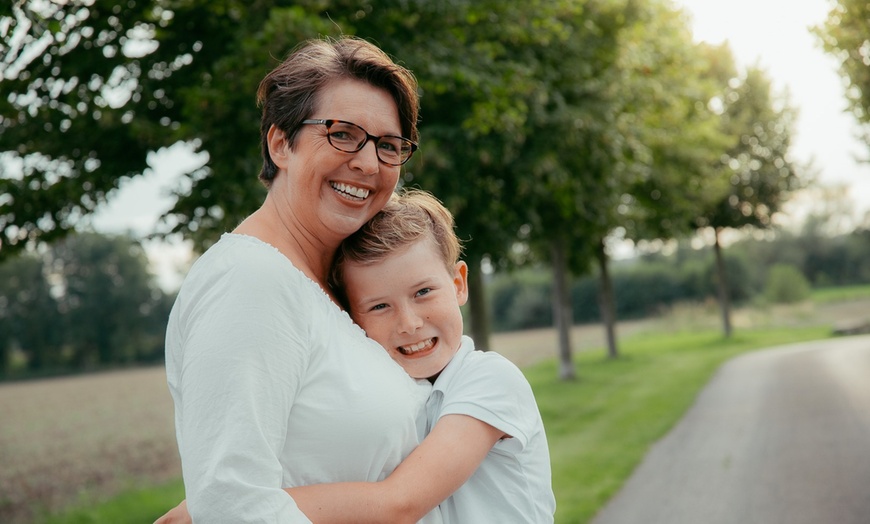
288 94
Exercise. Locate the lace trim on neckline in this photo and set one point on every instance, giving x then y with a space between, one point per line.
254 240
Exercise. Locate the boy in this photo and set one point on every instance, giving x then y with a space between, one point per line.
401 280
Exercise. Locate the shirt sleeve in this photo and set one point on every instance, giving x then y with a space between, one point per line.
241 329
493 390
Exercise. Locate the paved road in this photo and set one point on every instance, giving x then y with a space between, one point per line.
780 436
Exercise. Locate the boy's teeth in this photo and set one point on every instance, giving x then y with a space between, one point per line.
417 347
357 192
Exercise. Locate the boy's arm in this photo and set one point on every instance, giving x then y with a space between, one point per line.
445 459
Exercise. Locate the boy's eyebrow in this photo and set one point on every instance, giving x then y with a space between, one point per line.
424 282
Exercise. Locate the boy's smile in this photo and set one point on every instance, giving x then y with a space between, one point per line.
416 349
409 303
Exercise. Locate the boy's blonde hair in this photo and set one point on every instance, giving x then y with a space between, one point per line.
407 217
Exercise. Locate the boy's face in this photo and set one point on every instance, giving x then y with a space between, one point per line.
409 303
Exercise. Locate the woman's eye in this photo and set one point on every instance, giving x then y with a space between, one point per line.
343 136
379 307
388 146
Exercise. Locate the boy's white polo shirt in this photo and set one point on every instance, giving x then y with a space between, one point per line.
513 483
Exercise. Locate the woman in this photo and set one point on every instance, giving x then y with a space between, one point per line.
273 384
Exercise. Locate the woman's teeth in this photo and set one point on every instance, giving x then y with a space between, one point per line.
352 191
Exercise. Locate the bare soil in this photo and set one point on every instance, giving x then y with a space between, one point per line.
73 439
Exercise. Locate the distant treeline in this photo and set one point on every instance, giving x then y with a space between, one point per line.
89 302
782 269
85 303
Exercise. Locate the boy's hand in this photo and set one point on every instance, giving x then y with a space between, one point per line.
177 515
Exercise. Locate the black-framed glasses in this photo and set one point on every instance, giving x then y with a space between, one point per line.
350 138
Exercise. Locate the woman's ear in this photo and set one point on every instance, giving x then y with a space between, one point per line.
460 282
278 146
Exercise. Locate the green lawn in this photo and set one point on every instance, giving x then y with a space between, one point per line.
599 426
839 294
141 506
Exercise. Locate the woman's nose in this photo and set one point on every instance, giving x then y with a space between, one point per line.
366 159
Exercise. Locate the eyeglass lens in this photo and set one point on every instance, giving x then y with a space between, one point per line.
350 138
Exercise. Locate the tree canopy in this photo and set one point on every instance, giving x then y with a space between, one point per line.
546 124
844 36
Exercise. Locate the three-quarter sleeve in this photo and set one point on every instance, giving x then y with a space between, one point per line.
242 365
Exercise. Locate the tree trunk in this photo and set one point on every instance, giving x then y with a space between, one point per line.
562 314
722 278
477 307
4 356
607 302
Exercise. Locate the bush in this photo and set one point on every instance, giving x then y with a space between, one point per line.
521 300
786 284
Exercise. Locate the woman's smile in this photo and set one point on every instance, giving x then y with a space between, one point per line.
350 192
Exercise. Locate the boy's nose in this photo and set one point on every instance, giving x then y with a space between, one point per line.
409 321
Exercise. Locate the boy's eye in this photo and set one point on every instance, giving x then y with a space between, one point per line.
424 291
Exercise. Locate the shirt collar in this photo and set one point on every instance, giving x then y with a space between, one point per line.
446 376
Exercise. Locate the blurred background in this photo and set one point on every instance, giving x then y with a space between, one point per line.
609 162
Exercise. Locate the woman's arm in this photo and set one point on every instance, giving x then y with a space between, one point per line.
445 459
231 408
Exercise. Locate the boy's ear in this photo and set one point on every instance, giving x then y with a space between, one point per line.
460 281
278 146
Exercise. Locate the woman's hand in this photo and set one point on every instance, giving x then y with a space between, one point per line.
177 515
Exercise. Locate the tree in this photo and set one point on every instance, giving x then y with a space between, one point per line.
94 86
187 71
760 173
108 300
573 149
844 36
87 301
74 77
667 172
471 59
29 317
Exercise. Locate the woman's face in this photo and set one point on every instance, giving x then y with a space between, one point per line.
330 193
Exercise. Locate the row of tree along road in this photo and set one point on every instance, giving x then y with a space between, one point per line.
548 126
89 302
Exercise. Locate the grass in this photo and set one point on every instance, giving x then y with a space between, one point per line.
599 426
139 506
840 294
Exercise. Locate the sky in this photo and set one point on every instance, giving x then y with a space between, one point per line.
774 35
771 34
